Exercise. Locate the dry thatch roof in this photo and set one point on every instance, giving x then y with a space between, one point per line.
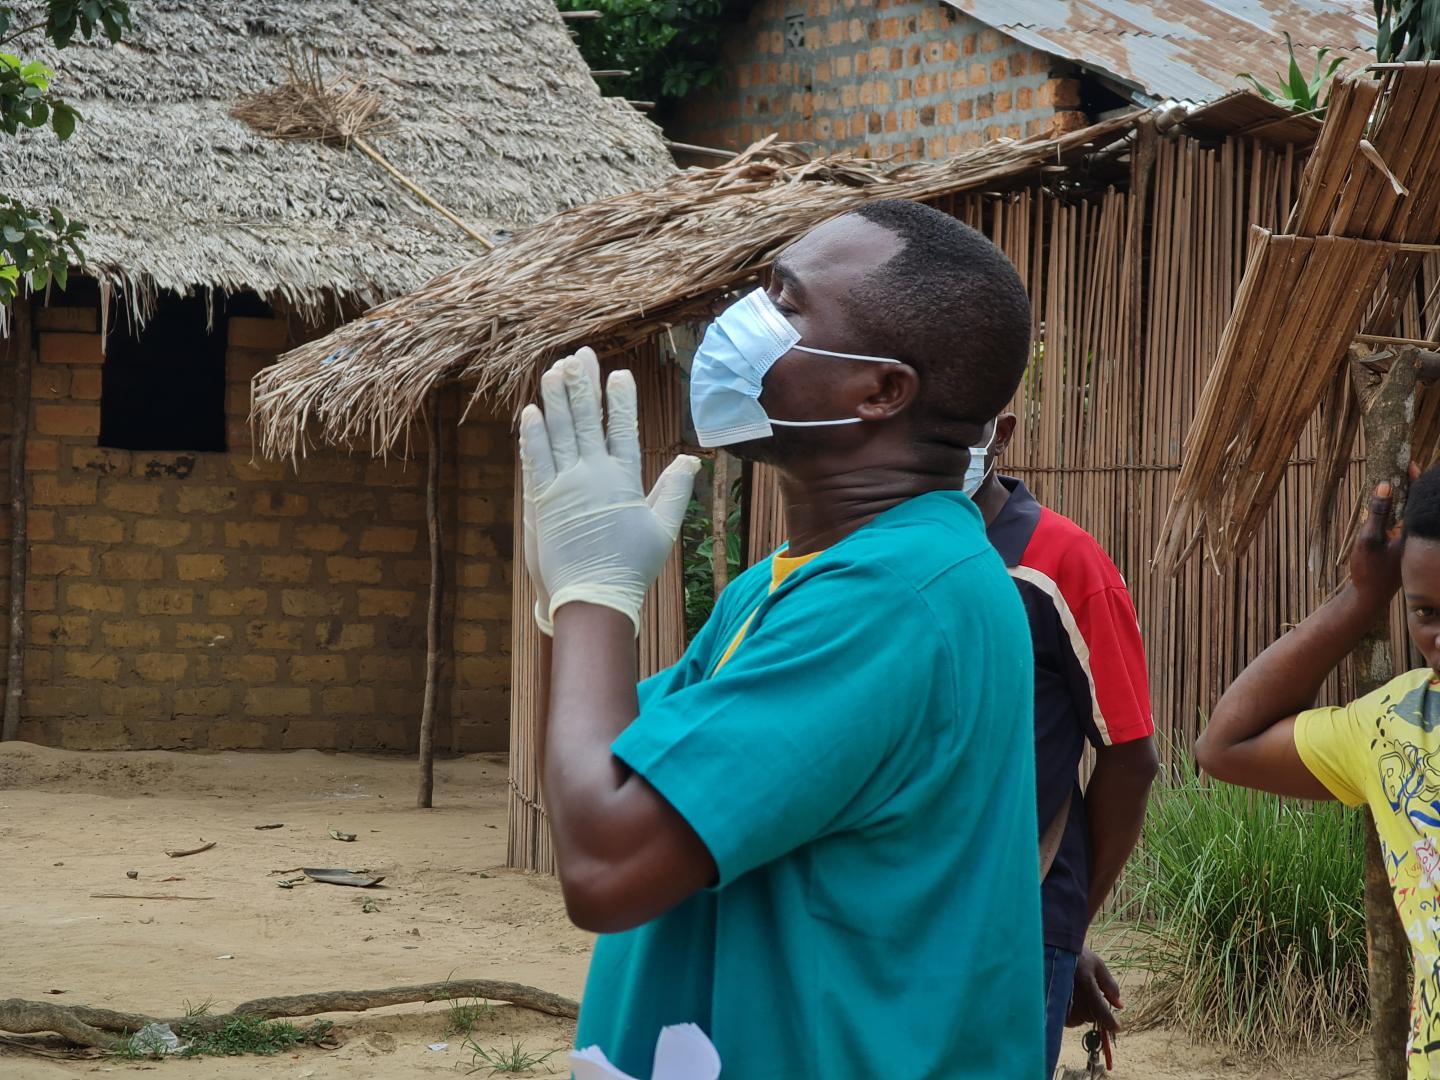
1371 186
609 274
488 105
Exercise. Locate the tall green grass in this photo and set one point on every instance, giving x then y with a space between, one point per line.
1246 914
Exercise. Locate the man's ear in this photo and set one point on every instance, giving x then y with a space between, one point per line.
893 390
1004 432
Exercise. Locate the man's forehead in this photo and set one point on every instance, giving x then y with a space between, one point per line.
846 243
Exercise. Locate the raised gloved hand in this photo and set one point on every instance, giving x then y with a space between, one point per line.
597 537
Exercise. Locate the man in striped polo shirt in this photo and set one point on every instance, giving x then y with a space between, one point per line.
1090 684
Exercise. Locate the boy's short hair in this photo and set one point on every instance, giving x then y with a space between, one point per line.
1422 508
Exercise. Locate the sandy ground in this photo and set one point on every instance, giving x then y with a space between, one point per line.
72 824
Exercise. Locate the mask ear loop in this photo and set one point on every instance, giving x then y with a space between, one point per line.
842 356
846 355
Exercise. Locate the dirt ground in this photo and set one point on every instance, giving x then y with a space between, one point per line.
72 824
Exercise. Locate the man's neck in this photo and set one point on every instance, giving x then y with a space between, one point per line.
821 510
991 498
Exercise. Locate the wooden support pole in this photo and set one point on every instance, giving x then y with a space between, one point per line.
719 519
432 615
19 532
580 16
1387 459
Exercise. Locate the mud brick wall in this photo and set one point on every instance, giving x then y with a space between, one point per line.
910 79
213 600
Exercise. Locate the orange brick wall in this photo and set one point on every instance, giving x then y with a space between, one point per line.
909 79
213 600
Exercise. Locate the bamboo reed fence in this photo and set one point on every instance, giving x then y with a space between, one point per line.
1353 259
662 630
1131 289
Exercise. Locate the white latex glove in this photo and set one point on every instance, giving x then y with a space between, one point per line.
532 546
598 538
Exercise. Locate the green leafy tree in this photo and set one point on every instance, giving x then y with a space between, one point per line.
38 245
1293 90
671 48
1407 30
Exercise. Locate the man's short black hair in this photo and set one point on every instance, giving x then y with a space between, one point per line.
951 305
1422 508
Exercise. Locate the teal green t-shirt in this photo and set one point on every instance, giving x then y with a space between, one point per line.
861 769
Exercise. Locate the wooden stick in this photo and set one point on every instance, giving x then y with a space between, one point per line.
19 514
719 520
581 16
425 797
379 159
143 896
191 851
1381 339
691 148
611 73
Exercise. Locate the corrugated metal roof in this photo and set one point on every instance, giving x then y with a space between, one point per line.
1188 50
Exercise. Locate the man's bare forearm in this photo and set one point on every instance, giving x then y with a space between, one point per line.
1115 801
1286 677
587 701
624 854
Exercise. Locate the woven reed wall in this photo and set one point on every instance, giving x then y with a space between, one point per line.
662 633
1130 296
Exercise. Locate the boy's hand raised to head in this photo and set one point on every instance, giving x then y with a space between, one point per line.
1375 557
1251 737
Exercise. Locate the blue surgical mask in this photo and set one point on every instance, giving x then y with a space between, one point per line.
730 365
979 467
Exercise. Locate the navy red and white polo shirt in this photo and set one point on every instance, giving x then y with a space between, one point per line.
1090 680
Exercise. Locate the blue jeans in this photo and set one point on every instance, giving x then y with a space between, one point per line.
1059 984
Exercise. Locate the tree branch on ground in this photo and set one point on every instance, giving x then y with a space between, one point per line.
104 1028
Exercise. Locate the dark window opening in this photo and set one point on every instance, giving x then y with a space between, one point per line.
1101 99
163 385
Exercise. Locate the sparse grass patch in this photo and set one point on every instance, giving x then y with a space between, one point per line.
464 1015
126 1050
517 1059
1247 911
247 1035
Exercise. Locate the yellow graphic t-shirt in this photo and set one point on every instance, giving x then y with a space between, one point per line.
1384 749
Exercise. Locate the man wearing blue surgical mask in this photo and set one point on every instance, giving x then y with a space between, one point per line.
1090 686
815 835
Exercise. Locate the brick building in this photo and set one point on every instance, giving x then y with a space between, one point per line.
913 79
181 591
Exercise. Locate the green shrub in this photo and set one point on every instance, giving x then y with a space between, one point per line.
697 542
1247 916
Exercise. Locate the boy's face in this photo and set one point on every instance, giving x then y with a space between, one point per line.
1420 577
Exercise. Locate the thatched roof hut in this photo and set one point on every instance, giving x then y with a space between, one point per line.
130 437
488 106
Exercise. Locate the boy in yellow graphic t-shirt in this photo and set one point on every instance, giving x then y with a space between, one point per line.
1382 749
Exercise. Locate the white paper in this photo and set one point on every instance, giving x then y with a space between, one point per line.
683 1052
